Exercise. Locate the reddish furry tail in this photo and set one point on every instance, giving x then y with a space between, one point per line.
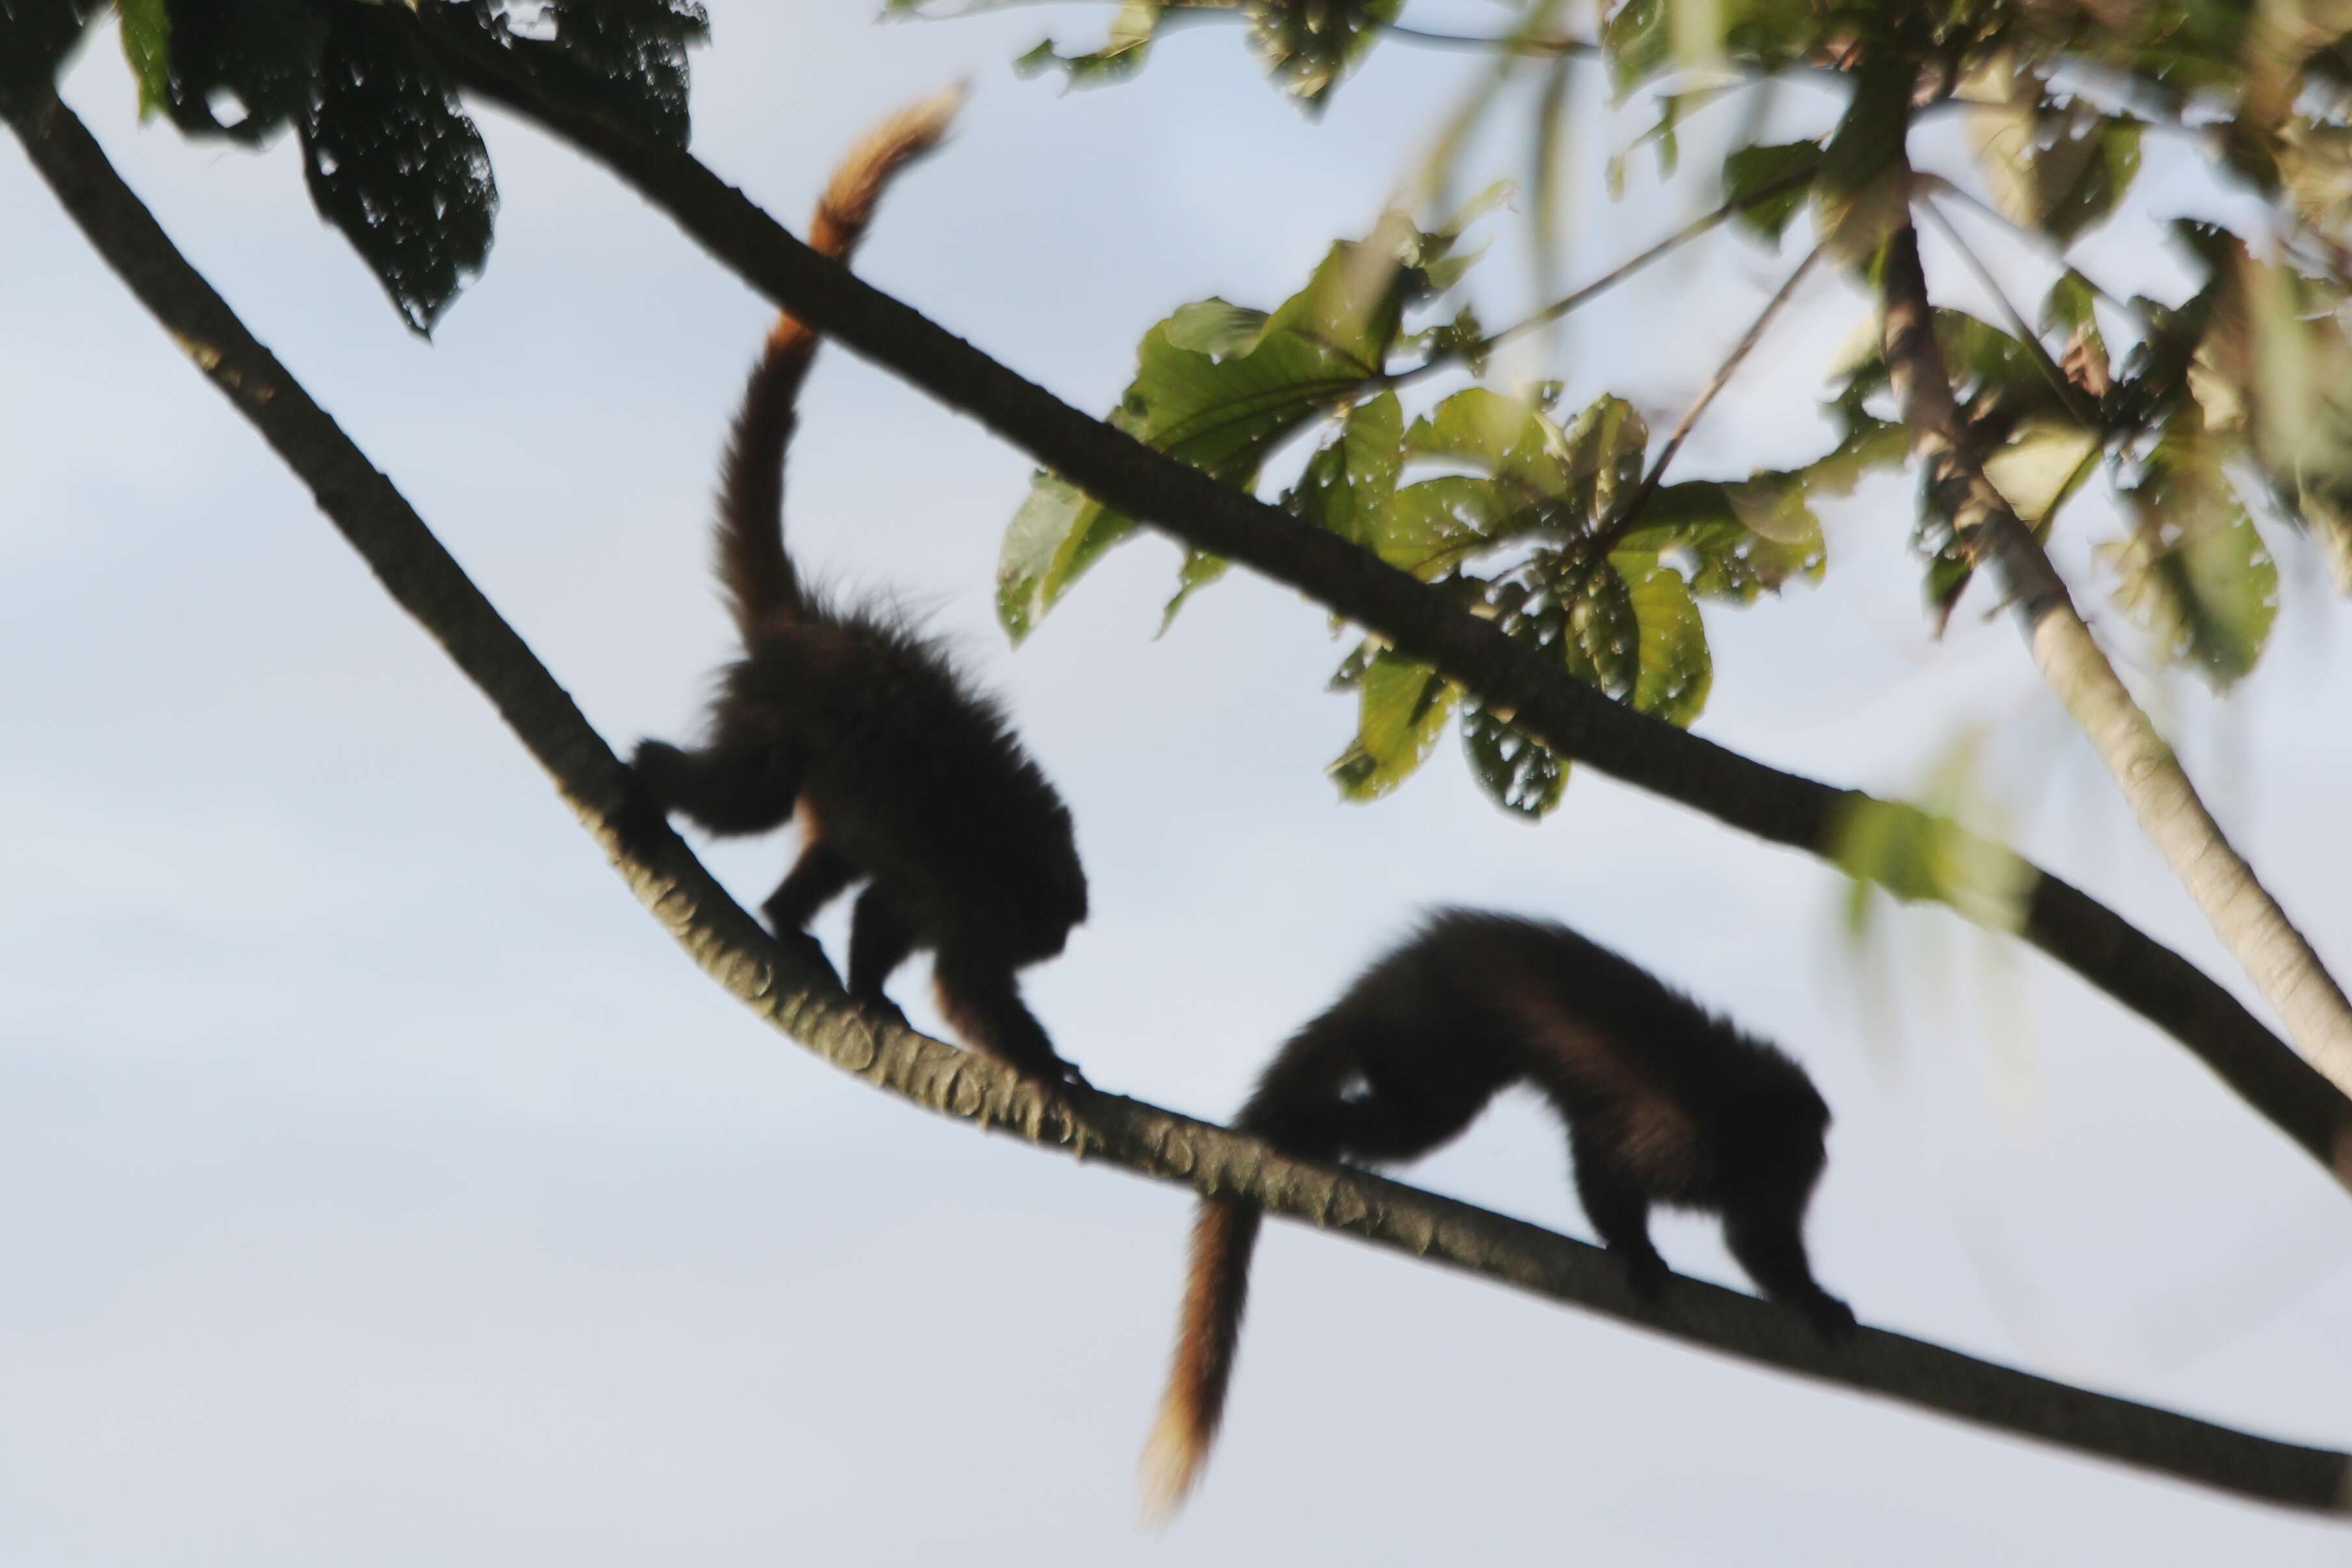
756 575
1223 1235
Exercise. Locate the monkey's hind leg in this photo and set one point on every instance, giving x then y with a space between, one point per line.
880 937
1763 1235
817 879
982 1001
1619 1213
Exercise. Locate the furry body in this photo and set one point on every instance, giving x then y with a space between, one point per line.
1664 1102
901 776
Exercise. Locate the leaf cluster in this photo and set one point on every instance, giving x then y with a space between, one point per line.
1522 517
389 157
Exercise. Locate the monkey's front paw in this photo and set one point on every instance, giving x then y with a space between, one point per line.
1831 1319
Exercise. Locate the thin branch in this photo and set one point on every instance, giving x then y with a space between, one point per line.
1602 285
1547 703
2068 392
1721 379
2055 253
2251 924
807 1003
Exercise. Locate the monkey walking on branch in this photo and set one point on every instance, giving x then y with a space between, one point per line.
901 776
1664 1103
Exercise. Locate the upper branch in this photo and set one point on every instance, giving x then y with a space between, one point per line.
2240 910
808 1003
1565 714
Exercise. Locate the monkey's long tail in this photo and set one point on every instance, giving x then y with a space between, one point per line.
1207 1329
755 572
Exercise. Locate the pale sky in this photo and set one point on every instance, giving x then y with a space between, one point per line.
387 1188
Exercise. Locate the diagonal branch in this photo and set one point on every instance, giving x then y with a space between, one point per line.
1617 526
2154 784
1546 702
801 997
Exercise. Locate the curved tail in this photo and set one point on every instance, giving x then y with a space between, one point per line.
1208 1329
753 569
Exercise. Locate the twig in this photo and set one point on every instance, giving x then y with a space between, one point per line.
1716 383
1602 285
2068 393
378 522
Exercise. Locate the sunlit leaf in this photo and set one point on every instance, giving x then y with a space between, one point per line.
1200 569
2194 571
1673 669
1219 387
1402 711
146 28
2042 464
2056 168
1120 56
1715 535
1346 485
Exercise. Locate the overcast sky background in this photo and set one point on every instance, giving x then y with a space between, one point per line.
384 1187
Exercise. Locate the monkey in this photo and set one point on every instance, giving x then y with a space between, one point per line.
1664 1102
901 776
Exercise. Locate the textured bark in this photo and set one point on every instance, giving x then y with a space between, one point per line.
2154 784
804 999
1546 702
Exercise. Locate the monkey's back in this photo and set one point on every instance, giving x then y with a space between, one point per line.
917 779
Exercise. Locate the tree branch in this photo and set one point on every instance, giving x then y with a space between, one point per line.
1616 528
1546 702
804 999
2243 914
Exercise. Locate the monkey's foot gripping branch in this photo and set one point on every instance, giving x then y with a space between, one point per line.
379 522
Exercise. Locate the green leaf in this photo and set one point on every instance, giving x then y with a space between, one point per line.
1059 531
1731 541
1638 39
1200 569
1860 196
146 28
1522 775
1309 45
1121 56
1347 484
1913 856
2194 571
1214 327
2059 170
1430 528
1752 168
1215 393
1673 669
2041 465
1402 711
